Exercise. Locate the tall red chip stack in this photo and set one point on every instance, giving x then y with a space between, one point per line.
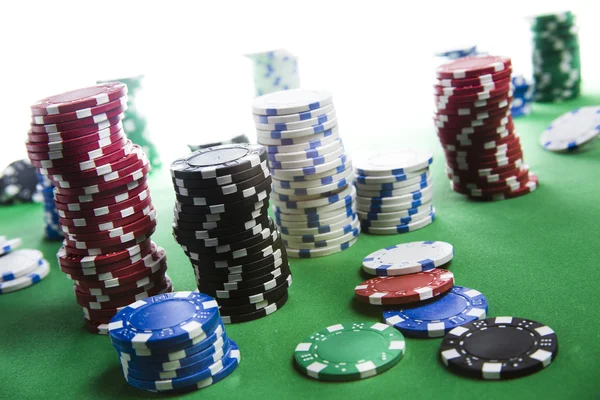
102 198
484 158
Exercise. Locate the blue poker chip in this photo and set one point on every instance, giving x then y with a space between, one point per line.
149 372
164 320
459 306
203 378
456 53
184 350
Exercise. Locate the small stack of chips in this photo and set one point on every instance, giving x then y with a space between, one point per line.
52 229
274 70
174 343
556 62
20 268
522 96
222 224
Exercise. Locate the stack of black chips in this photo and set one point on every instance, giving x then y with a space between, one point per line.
222 224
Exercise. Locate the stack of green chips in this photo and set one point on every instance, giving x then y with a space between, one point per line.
135 123
556 62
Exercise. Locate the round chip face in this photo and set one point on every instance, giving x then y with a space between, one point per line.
80 98
408 258
437 317
405 289
499 348
350 351
572 129
396 162
18 263
164 320
218 161
472 66
290 101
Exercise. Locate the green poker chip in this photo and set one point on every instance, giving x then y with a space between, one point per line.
351 351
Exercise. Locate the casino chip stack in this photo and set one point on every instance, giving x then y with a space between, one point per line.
135 124
18 183
314 199
173 342
20 268
52 229
102 199
221 222
556 61
484 159
394 191
522 96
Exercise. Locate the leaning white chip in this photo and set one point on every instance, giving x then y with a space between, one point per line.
408 258
572 129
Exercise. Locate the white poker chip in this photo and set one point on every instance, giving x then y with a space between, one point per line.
392 162
408 258
19 263
290 102
25 281
572 129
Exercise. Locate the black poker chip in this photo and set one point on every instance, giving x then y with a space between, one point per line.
218 161
246 206
249 308
218 294
216 221
226 191
18 182
268 295
499 348
258 193
216 182
270 277
247 276
226 234
224 262
231 318
219 272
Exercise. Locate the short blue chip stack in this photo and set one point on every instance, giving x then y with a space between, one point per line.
523 90
173 342
52 229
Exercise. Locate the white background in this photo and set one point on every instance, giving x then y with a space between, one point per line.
375 56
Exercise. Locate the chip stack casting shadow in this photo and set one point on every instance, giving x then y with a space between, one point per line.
484 158
221 222
102 200
314 199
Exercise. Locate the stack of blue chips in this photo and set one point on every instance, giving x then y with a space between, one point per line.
52 229
173 342
522 96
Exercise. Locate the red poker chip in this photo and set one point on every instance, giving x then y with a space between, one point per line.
486 171
476 113
142 284
528 187
105 128
79 114
100 328
404 289
470 143
477 165
116 236
480 80
91 202
136 154
125 300
500 179
79 271
75 229
504 151
108 213
146 273
123 186
80 123
37 147
476 131
472 66
485 95
108 249
88 165
79 99
474 107
477 138
465 90
103 259
78 151
518 175
497 121
135 207
99 180
106 186
461 102
478 119
75 160
145 262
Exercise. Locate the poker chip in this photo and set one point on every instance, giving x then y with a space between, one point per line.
18 183
555 57
408 258
93 180
8 245
274 70
310 170
237 139
171 342
476 130
392 182
40 272
403 289
499 348
523 91
350 351
436 317
458 52
18 263
221 222
572 130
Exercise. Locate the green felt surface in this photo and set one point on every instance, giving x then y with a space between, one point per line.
534 257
